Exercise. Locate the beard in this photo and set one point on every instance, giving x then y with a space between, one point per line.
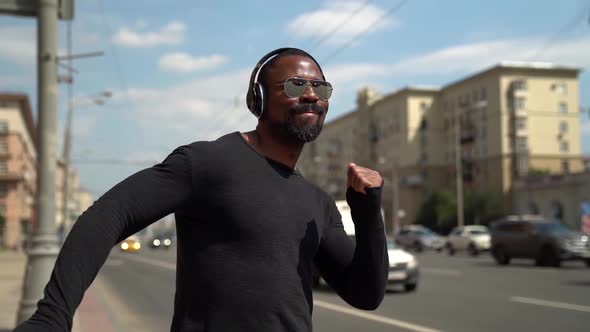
304 133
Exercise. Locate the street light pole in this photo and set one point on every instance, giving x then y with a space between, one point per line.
67 137
395 203
44 243
459 167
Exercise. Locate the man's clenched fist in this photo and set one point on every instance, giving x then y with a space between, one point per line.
360 178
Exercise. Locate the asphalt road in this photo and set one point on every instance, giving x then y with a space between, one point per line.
458 293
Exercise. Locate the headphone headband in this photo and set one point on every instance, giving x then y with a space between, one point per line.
254 96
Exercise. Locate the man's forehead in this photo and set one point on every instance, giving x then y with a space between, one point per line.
295 65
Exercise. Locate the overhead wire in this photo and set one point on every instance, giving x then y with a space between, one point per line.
118 68
392 10
576 20
330 33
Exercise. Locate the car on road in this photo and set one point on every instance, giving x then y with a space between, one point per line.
161 241
419 238
546 241
403 267
473 238
131 244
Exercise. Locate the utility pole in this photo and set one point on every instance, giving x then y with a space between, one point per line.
44 244
395 200
459 166
66 149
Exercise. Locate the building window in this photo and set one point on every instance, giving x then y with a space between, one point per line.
3 147
3 189
519 85
521 144
520 103
560 88
520 123
564 146
563 107
474 96
423 108
565 167
523 165
563 127
483 95
3 167
3 126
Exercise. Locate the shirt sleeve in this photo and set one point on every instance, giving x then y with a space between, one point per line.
130 206
358 273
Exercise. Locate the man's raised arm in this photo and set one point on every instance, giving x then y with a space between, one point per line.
130 206
357 273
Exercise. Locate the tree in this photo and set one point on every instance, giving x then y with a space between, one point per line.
481 207
438 211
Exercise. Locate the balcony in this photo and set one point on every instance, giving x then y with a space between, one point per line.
413 180
481 104
11 177
467 135
521 132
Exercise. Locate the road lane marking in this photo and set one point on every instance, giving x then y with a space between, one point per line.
552 304
373 317
165 265
442 272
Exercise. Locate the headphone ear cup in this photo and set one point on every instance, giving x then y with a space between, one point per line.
258 100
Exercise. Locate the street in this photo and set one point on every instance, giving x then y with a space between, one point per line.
458 293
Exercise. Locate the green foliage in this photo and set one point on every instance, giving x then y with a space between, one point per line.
439 210
539 172
481 207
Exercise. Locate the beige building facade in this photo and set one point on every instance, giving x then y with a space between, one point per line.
18 155
18 180
502 123
554 196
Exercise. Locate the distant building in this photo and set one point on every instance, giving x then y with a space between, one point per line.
557 197
18 155
515 119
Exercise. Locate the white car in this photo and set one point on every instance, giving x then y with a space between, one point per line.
473 238
403 267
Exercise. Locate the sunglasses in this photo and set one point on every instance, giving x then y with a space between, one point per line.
295 87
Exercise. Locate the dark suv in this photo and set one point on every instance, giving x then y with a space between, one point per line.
547 242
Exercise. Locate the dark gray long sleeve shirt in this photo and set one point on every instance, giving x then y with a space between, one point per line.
249 231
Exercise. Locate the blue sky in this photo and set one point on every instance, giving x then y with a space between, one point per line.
178 70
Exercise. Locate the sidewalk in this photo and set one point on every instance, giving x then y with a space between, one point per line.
91 316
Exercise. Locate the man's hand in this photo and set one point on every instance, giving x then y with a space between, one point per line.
360 178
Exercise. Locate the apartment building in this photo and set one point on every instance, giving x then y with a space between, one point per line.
18 155
500 124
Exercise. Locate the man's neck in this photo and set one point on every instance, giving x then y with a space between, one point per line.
275 148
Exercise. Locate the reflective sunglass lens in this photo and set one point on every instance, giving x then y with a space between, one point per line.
295 88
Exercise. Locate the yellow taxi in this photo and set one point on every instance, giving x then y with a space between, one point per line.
131 244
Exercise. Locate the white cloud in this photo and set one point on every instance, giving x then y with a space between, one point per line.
477 56
332 14
462 59
585 128
18 44
84 125
171 34
205 108
185 63
200 109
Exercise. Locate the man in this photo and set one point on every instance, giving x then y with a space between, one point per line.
249 226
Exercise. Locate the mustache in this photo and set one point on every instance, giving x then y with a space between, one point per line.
302 108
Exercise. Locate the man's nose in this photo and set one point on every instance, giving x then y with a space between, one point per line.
309 95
